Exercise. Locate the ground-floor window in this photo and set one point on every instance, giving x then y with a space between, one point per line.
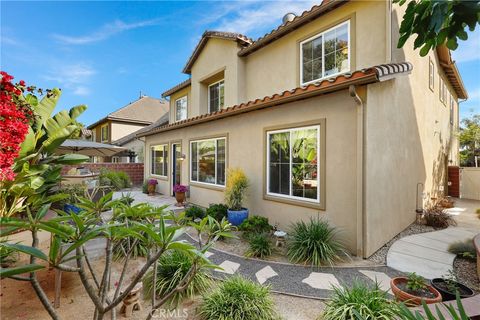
207 161
159 160
293 163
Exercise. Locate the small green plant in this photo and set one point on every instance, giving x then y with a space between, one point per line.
415 282
407 314
217 211
360 301
255 225
127 199
194 212
145 187
237 184
238 299
115 179
260 246
463 249
171 269
315 243
72 192
451 281
8 255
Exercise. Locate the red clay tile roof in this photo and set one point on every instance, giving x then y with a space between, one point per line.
176 88
240 38
365 76
307 16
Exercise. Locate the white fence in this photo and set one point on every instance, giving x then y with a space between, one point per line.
470 183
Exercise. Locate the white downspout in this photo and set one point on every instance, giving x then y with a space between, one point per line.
361 227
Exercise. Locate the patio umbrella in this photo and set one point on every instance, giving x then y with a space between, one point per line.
89 148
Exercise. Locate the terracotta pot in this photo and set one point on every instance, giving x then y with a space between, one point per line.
151 189
410 299
180 197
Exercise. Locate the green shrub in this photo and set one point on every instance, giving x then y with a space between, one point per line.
194 212
8 256
116 179
314 243
360 302
122 246
463 249
127 199
456 312
171 269
73 191
237 184
255 225
238 299
260 246
217 211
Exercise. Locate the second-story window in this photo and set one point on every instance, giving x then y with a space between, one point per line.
181 109
216 96
325 54
104 133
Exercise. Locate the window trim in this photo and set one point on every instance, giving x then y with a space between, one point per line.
175 107
101 133
162 177
208 91
320 203
347 22
452 111
206 184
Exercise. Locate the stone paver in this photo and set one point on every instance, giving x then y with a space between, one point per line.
265 274
228 267
320 280
427 253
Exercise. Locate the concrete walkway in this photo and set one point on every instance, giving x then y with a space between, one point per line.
427 253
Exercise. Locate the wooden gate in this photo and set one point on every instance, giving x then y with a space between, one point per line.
454 181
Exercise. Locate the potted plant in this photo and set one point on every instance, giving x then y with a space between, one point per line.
413 290
237 183
180 191
72 192
152 185
449 287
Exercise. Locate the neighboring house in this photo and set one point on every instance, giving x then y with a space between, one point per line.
119 127
324 114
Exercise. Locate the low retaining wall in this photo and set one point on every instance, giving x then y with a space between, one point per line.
134 170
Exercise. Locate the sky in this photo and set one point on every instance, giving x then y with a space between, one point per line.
104 54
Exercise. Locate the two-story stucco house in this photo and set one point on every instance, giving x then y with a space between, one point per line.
324 114
121 126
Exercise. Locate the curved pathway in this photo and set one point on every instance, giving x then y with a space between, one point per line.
427 253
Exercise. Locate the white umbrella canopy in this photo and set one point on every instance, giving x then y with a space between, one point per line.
88 148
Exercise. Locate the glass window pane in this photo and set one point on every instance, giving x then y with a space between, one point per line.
221 162
279 166
304 163
307 51
206 161
194 163
159 161
165 160
330 64
341 60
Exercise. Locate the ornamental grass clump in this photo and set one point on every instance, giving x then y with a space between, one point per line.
463 249
360 301
238 299
260 246
171 269
315 243
237 184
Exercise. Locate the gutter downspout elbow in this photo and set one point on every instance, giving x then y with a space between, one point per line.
360 194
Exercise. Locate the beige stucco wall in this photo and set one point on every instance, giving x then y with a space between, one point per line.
246 150
408 141
120 130
136 146
177 95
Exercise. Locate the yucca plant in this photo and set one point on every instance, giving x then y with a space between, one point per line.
315 243
408 314
238 299
370 303
260 246
171 269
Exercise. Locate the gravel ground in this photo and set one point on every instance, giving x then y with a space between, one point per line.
466 271
380 256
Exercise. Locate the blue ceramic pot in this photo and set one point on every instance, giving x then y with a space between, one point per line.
70 207
237 217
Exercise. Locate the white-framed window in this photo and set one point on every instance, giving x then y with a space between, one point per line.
325 54
159 160
431 75
181 106
115 159
293 163
208 161
104 132
452 108
440 88
216 96
445 93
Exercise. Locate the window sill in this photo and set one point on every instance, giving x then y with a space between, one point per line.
295 202
165 178
207 186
